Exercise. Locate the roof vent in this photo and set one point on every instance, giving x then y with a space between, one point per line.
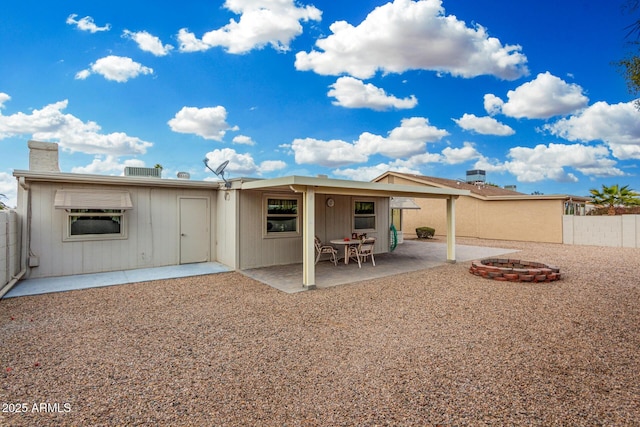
510 187
184 175
144 172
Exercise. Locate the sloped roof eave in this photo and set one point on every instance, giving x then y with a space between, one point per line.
339 186
517 196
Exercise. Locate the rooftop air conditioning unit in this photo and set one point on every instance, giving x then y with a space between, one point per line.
144 172
476 176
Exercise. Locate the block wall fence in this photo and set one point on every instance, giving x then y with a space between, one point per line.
9 246
618 231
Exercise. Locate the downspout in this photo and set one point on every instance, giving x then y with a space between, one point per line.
26 235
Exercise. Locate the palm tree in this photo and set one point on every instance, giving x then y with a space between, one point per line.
613 196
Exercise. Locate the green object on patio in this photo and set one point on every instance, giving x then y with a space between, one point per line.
394 238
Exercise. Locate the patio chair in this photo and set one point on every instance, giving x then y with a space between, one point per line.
364 250
326 249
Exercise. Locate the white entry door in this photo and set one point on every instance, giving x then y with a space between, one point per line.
194 230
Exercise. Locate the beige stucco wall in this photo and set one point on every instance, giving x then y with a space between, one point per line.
524 220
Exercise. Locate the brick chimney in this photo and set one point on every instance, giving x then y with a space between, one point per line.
43 156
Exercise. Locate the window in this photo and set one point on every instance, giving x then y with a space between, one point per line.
95 224
93 214
364 215
282 216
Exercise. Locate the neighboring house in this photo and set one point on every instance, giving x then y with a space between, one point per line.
79 223
488 211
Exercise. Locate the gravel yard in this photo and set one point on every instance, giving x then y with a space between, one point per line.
433 347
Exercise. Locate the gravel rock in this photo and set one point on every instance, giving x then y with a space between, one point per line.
434 347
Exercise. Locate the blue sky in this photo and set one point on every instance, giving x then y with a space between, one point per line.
525 90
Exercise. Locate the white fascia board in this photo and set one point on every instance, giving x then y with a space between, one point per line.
343 186
35 176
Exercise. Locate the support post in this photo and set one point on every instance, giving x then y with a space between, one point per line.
308 235
451 229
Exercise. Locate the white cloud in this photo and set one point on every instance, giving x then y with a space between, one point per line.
483 125
107 165
271 166
353 93
618 125
243 139
549 162
407 140
148 42
455 156
407 35
8 187
417 161
492 104
367 173
209 122
3 98
86 24
242 164
326 153
545 96
83 74
190 43
261 23
51 124
116 68
412 164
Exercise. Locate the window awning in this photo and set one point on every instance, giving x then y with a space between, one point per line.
84 199
403 203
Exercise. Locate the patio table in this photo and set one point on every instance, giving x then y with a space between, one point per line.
346 243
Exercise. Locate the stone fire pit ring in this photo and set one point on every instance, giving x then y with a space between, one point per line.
514 270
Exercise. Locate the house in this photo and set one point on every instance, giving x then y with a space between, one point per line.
487 211
81 223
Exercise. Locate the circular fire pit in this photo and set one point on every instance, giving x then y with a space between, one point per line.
514 270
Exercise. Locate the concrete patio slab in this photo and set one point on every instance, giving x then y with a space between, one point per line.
412 255
85 281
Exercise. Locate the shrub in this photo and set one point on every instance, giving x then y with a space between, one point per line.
425 232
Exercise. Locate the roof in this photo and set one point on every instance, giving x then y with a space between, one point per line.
35 176
324 185
486 191
287 183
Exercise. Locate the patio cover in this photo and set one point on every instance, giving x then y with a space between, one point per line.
310 186
403 203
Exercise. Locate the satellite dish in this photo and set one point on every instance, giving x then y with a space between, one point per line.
219 171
